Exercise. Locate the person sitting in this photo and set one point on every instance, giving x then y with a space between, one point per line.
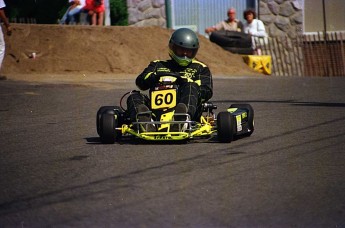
195 80
95 9
230 24
74 9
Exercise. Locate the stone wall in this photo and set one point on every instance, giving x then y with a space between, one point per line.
146 13
284 23
282 17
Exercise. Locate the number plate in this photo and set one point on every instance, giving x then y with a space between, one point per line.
163 99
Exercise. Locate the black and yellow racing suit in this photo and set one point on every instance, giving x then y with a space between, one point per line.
194 88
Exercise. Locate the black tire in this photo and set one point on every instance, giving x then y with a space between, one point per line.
250 110
231 39
99 113
107 125
225 127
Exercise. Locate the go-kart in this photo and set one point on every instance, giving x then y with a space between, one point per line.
113 122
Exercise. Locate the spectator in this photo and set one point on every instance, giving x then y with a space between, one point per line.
253 26
8 29
95 9
76 6
229 35
231 24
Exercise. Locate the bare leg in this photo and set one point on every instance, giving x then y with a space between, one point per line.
100 18
93 19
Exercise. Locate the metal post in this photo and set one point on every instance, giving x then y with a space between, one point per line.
258 8
168 13
324 19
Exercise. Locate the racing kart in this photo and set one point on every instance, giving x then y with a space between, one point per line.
113 122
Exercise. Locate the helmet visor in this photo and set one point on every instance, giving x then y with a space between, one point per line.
184 52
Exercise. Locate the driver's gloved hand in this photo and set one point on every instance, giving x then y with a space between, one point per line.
181 80
205 92
154 78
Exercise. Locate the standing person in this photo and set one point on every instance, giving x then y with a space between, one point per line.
95 9
76 6
253 26
8 30
195 81
230 24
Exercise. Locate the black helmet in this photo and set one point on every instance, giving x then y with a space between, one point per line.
183 46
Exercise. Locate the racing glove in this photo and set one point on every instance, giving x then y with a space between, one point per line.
151 79
205 92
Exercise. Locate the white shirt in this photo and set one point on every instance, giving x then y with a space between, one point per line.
2 4
256 28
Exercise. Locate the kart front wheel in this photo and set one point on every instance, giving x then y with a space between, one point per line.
107 124
250 112
225 127
99 115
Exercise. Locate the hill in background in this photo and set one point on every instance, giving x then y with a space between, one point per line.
115 50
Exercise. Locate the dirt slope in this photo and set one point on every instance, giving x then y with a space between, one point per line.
98 50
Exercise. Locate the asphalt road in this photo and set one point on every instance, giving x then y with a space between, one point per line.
289 173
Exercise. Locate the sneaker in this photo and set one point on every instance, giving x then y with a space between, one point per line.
180 115
144 115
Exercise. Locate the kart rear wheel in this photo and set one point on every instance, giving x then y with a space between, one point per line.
225 127
250 110
99 114
108 123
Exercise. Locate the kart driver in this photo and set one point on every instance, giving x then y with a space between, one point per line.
195 81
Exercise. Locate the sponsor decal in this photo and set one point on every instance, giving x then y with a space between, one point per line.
239 123
165 137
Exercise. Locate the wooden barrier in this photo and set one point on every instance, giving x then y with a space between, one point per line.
307 55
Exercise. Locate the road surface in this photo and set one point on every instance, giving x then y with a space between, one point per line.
289 173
